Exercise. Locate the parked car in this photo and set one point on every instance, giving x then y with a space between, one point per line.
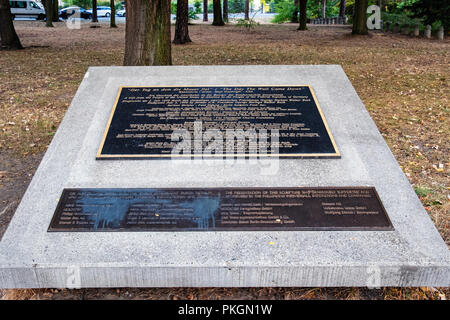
102 11
76 12
27 9
121 13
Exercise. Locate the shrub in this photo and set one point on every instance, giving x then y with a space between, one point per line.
248 24
285 10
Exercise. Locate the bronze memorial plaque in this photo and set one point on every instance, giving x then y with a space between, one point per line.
143 120
220 209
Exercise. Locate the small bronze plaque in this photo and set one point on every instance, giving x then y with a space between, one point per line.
271 121
224 209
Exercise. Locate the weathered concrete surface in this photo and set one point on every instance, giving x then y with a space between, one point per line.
412 255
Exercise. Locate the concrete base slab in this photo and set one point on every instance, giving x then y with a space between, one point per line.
413 254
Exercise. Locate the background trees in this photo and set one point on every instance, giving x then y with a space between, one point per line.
225 10
181 25
295 13
217 11
236 6
431 11
55 14
94 11
205 10
147 35
360 17
403 12
303 16
49 13
247 9
112 21
288 10
342 4
8 35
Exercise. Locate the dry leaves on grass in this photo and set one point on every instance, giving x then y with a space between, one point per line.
404 83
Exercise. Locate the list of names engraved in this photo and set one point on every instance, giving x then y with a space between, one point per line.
220 209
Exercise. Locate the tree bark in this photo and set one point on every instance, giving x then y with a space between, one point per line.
294 18
360 17
112 19
342 5
225 10
324 8
55 16
94 11
205 10
48 13
147 35
247 10
302 25
218 20
8 35
181 25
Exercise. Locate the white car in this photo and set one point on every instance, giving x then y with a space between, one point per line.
121 13
27 9
102 11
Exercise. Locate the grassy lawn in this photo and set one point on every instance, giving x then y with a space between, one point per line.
403 82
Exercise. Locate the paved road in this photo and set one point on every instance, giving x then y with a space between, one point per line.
260 17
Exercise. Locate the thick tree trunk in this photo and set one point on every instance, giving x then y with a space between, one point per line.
247 10
112 21
225 10
342 5
302 25
48 13
324 8
147 35
218 20
360 17
205 10
55 16
94 11
8 35
181 26
294 18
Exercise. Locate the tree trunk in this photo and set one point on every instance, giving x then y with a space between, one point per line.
147 35
94 11
342 5
55 16
218 20
360 17
225 10
205 10
112 19
247 10
324 8
48 13
302 19
8 35
294 18
181 25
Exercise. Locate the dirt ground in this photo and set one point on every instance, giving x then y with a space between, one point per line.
403 81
